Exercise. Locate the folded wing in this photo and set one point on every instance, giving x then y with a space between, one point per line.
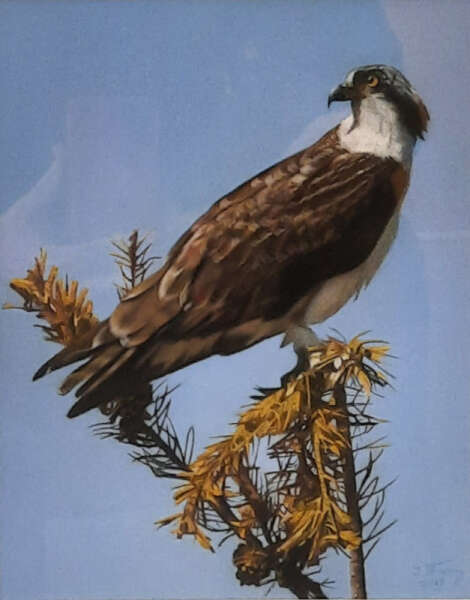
249 258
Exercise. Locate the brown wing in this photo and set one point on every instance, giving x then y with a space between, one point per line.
253 255
261 248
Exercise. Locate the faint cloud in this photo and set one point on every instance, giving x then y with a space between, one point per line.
315 129
107 158
24 224
41 191
250 52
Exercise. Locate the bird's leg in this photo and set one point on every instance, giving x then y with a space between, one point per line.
302 365
302 338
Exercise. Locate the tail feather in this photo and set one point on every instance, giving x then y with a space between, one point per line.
91 368
102 377
111 371
62 359
84 404
85 347
115 361
105 379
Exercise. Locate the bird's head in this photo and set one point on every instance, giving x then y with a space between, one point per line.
389 84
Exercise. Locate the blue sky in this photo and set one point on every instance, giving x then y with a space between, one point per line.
116 115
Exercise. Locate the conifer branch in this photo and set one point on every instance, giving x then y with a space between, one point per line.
356 563
131 258
321 493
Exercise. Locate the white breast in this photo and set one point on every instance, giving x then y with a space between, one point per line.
377 130
335 292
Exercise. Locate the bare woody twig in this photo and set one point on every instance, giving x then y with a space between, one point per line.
356 562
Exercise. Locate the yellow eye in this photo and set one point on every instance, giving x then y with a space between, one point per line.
372 81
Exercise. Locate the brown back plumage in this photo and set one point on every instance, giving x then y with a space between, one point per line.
251 257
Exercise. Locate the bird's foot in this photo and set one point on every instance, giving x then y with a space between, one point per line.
263 392
304 341
303 364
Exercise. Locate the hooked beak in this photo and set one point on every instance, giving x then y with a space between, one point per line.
340 94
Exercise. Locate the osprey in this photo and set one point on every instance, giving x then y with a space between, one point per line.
286 249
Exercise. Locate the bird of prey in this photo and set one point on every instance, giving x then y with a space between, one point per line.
286 249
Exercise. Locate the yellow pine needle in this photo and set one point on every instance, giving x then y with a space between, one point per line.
310 515
316 521
67 312
247 521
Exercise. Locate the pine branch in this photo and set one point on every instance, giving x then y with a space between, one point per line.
287 518
302 586
132 261
67 312
151 430
356 565
301 512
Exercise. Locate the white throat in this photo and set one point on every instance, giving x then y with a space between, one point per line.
378 131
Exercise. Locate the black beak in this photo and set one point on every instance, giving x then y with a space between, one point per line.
340 94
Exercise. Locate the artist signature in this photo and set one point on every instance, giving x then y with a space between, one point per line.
436 575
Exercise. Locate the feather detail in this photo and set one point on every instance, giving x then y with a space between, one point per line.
237 274
83 348
91 368
115 361
61 359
